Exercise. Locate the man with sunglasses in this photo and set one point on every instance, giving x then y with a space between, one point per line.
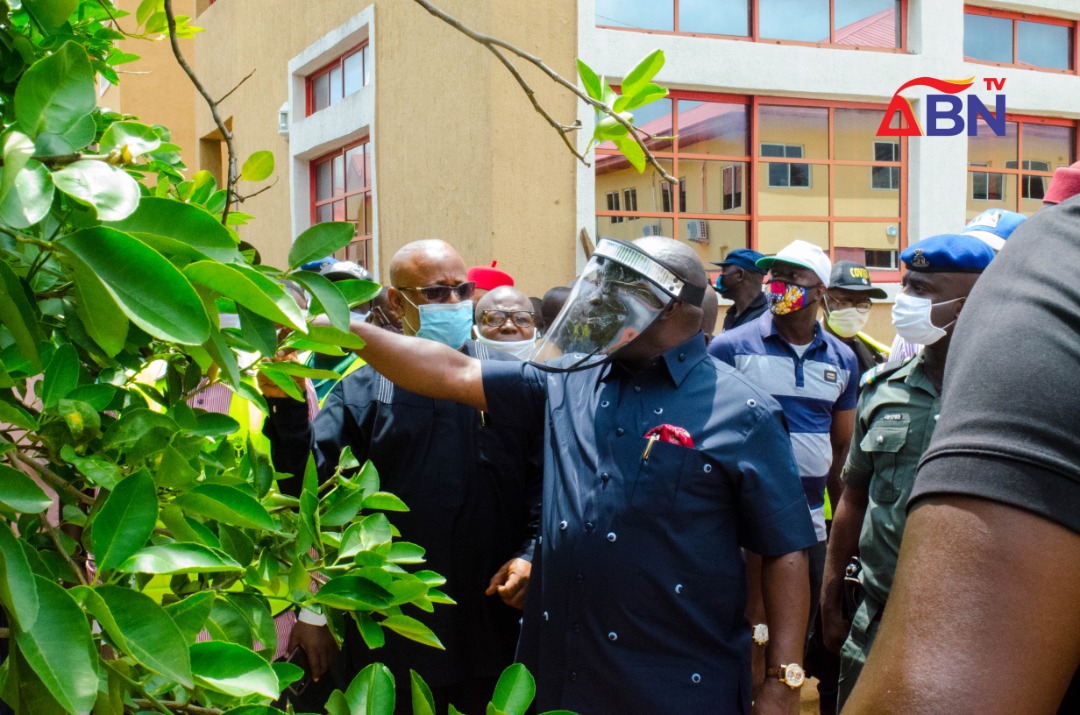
469 483
659 464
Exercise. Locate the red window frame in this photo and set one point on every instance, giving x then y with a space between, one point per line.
359 249
755 160
755 30
1074 50
337 63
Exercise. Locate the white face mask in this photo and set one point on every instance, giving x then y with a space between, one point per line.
521 349
847 322
911 318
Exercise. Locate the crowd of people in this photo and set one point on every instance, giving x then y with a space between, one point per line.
657 515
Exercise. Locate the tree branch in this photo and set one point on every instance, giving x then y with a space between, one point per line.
51 530
494 44
230 183
245 79
54 480
242 199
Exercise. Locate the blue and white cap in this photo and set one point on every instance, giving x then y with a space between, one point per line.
993 226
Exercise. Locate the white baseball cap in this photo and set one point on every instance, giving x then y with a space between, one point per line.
803 254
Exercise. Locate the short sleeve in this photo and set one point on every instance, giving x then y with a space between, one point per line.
515 393
858 468
774 518
722 349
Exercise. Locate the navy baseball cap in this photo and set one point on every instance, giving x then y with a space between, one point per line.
850 275
743 258
948 253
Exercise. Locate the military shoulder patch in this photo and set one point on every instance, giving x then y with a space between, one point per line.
878 372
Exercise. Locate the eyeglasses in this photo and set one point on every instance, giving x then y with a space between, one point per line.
441 294
863 306
498 318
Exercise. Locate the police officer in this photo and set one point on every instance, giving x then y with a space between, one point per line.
895 419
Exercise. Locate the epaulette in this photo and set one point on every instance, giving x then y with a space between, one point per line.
879 371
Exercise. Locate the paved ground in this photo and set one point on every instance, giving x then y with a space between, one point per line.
809 699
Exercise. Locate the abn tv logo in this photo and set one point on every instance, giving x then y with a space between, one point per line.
947 114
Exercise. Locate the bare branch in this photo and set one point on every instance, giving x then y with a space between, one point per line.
242 199
51 531
494 44
54 480
230 184
238 84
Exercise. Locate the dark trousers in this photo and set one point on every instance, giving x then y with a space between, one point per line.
819 661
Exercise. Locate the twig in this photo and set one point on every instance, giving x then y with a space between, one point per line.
493 43
245 79
55 480
177 707
242 199
51 530
150 700
230 183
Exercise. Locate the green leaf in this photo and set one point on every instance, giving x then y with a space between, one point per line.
650 93
179 558
109 189
258 167
357 291
52 13
257 331
251 289
643 74
61 376
30 197
137 138
320 240
101 472
609 129
228 505
413 630
385 501
309 508
147 633
295 369
61 650
56 92
102 317
179 229
20 493
136 427
232 669
422 701
17 416
149 289
590 81
344 510
82 420
190 614
403 552
370 630
329 297
371 692
632 151
328 336
17 150
18 589
515 690
97 396
215 424
18 316
371 531
352 593
126 520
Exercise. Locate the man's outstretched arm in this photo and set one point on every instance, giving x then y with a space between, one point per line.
982 617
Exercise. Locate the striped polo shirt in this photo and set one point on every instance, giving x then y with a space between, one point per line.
809 389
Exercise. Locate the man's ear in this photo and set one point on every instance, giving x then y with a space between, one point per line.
396 300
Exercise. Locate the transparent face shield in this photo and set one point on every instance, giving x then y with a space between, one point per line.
618 296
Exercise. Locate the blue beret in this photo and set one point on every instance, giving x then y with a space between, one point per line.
948 253
743 258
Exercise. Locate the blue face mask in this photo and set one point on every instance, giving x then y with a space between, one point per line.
446 323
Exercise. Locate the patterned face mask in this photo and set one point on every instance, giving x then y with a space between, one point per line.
786 298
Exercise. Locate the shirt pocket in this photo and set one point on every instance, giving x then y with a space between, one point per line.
883 444
657 481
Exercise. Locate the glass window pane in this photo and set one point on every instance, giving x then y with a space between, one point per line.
715 17
868 23
774 235
855 136
324 213
339 210
630 230
804 127
713 128
335 85
339 175
1044 45
354 169
614 175
714 187
636 14
884 236
988 190
802 20
365 226
855 193
323 186
793 190
991 150
354 72
1049 145
354 207
988 38
320 97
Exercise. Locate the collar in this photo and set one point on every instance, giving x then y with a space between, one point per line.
759 299
914 375
677 362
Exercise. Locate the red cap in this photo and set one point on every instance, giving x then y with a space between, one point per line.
489 278
1065 184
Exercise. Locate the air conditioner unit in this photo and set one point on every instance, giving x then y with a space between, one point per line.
697 231
651 229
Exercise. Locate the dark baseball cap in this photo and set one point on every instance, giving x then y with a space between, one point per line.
850 275
743 258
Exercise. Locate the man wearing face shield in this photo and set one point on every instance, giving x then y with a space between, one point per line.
469 482
659 464
847 308
896 417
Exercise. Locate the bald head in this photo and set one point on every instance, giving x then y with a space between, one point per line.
430 255
506 299
679 257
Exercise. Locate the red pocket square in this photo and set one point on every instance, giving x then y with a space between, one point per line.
671 434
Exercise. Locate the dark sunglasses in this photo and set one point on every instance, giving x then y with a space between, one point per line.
441 294
498 318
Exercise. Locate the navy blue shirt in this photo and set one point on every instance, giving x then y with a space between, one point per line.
639 587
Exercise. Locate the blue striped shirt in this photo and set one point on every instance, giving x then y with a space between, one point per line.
809 389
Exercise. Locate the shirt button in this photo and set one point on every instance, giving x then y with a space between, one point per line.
678 588
880 439
562 526
545 615
589 526
613 636
637 388
682 357
619 432
576 628
695 678
573 675
579 578
611 536
605 403
605 477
